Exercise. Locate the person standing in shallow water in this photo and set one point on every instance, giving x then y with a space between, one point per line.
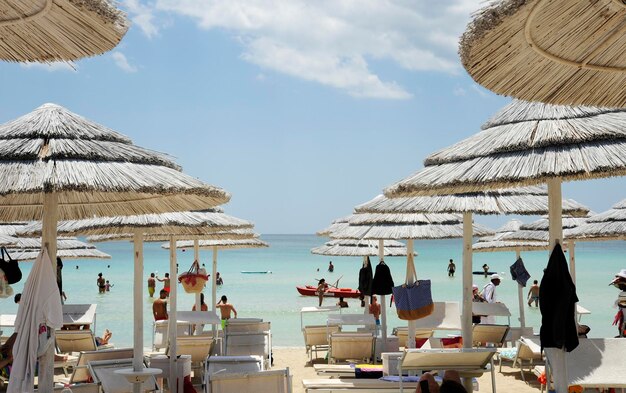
226 309
533 294
101 283
166 283
331 267
159 306
151 285
451 268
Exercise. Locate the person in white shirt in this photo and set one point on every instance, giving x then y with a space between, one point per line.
489 294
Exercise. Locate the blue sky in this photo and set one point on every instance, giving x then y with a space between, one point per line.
300 109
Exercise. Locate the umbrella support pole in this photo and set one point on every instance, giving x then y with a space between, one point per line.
555 217
571 247
410 279
383 301
520 298
466 316
138 307
196 257
172 320
214 289
49 220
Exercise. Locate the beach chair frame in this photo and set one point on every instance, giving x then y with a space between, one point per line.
252 380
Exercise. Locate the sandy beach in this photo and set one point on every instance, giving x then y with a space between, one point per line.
509 380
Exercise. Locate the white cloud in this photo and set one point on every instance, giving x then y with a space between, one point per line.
459 91
51 67
122 62
143 16
334 42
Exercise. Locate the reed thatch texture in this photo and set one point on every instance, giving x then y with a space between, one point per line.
63 243
11 228
85 253
178 223
93 170
360 248
539 230
336 225
558 51
156 237
509 245
525 200
230 244
419 228
403 218
59 30
608 225
519 147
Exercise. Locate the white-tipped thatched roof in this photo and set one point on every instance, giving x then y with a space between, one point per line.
11 228
94 171
360 248
178 223
509 245
222 244
538 230
519 147
421 226
83 253
336 225
154 237
525 200
59 30
559 51
403 218
608 225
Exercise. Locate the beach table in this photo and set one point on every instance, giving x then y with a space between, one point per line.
492 309
80 314
308 310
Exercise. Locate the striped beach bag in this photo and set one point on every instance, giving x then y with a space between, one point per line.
414 298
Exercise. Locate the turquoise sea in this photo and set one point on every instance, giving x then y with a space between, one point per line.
273 297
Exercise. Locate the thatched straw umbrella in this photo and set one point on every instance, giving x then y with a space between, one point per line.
360 248
25 255
409 226
526 144
334 226
608 225
529 200
232 240
59 30
58 165
160 227
559 52
538 231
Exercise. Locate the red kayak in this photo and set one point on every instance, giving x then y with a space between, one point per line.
309 290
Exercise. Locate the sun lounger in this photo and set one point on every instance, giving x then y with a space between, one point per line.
159 333
238 344
70 341
445 316
596 363
402 332
484 335
354 385
81 388
230 364
465 360
275 381
527 349
81 370
103 372
316 338
353 346
199 347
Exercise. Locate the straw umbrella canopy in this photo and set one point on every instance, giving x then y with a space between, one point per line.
526 144
608 225
165 225
59 30
334 226
559 51
360 248
58 165
78 253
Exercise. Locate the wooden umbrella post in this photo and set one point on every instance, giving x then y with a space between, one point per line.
466 321
138 306
520 297
571 248
172 322
383 300
49 220
559 365
409 260
214 287
196 257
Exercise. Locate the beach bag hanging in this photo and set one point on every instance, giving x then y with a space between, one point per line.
413 299
194 279
11 269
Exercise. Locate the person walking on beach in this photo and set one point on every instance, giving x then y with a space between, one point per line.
486 270
166 283
226 310
159 306
533 294
151 285
101 283
321 287
331 267
451 268
489 294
